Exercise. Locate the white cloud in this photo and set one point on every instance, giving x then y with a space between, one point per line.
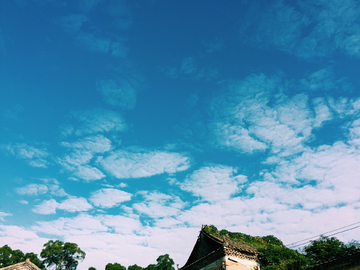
236 137
32 189
69 205
92 144
21 238
34 156
94 122
109 197
83 152
114 238
214 183
3 214
158 205
74 205
88 173
46 207
82 224
57 191
121 224
253 119
128 164
322 112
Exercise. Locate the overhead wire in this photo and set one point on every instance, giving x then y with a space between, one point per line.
307 240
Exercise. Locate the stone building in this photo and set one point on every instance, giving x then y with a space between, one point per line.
27 265
214 253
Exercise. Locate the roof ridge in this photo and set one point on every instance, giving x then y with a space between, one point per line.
26 264
230 243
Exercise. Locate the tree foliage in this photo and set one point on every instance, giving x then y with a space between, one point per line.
134 267
327 247
9 256
115 266
164 262
63 256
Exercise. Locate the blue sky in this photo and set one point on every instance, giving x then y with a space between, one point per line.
126 125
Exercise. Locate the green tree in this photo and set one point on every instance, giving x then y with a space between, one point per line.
135 267
34 259
63 256
327 247
9 256
151 267
164 262
5 256
92 268
115 266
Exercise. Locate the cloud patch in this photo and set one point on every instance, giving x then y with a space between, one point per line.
307 30
93 122
32 189
120 94
158 205
3 215
35 157
131 164
69 205
214 183
109 197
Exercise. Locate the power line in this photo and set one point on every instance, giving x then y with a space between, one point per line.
301 241
301 244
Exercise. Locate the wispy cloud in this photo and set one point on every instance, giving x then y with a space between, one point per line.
214 183
94 122
82 224
69 205
46 207
14 112
120 94
92 144
32 189
109 197
72 23
131 164
93 41
308 29
3 215
263 114
192 67
157 205
83 151
35 157
88 5
77 164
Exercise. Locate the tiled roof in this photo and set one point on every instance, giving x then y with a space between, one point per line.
229 243
210 248
27 265
238 245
